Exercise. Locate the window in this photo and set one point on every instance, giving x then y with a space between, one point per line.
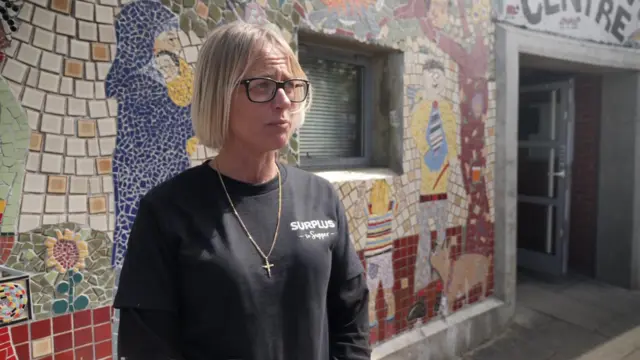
336 132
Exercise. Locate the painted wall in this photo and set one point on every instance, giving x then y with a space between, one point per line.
615 22
94 111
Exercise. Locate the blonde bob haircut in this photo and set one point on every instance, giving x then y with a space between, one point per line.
224 60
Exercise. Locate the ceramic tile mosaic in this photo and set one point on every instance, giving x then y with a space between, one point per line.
75 71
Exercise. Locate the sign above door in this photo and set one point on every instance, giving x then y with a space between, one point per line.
615 22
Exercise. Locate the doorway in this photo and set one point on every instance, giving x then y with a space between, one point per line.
545 152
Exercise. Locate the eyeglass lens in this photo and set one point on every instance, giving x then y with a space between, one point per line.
263 90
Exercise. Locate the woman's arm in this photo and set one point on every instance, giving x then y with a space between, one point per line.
147 291
347 300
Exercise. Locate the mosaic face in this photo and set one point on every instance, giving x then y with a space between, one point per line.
167 41
434 83
168 65
439 13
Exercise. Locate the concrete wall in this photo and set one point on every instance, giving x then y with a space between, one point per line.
67 95
617 241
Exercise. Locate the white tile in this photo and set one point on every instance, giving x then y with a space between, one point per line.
84 89
51 62
55 204
77 107
51 219
85 166
44 39
87 31
51 163
98 222
79 185
30 55
191 54
107 127
78 219
107 35
79 49
76 147
15 89
112 222
66 86
32 79
33 98
28 223
56 104
25 13
51 124
109 2
14 70
90 70
84 10
54 143
49 82
100 90
104 14
195 40
43 18
34 119
69 166
78 204
62 44
65 25
94 185
107 145
103 70
113 107
32 203
24 33
98 109
93 148
36 183
12 49
107 184
33 162
184 38
43 3
69 126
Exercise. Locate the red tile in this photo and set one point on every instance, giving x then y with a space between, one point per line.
85 353
102 332
104 349
61 324
50 357
23 352
20 334
4 336
40 329
82 337
81 319
67 355
63 342
101 315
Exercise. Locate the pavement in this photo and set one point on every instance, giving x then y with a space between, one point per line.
575 318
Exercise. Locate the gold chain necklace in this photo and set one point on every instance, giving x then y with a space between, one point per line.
267 265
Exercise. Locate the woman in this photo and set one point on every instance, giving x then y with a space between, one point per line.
242 257
153 86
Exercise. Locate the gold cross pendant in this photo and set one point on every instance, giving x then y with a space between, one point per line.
267 265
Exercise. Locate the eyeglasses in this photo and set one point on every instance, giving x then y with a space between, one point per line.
262 90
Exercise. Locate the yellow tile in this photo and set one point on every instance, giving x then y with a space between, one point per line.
3 205
35 143
86 128
97 204
57 184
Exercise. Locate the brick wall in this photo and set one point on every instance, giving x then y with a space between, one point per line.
584 190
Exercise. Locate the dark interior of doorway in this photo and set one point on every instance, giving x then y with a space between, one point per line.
584 187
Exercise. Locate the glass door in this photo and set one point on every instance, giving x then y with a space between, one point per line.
545 146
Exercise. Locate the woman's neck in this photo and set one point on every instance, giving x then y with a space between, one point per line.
245 166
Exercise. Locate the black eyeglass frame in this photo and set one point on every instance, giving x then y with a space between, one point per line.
279 85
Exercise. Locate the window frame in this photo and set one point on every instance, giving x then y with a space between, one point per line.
324 52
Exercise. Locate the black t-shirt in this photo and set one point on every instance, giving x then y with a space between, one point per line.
190 262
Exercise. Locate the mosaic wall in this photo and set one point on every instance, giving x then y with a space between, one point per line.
94 111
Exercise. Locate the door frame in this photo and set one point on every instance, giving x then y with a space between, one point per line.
510 42
554 264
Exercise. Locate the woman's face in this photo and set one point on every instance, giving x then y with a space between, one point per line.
264 127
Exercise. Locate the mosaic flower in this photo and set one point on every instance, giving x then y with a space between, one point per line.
66 251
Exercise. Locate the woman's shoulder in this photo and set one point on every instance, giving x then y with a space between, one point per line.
179 188
310 183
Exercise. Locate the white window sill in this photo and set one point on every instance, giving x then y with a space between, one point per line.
356 174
